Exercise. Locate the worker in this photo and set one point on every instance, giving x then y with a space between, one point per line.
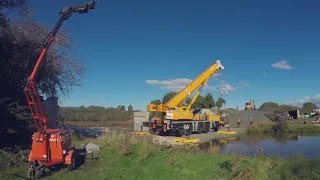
238 122
251 121
228 126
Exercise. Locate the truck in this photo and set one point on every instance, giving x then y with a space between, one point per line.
178 119
50 145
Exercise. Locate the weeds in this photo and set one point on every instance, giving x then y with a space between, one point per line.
283 127
173 159
258 152
124 145
145 149
12 158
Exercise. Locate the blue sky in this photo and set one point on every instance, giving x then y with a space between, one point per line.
125 43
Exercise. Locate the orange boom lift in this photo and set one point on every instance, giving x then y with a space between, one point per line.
49 146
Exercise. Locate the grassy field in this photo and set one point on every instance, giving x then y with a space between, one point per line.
284 127
122 124
123 156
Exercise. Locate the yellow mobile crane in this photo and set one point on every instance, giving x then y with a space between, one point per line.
178 119
250 106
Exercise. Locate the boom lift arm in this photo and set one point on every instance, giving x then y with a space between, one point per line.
178 99
49 146
31 93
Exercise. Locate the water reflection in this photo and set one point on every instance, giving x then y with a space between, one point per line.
272 145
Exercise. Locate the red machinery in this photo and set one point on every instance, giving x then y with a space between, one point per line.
49 146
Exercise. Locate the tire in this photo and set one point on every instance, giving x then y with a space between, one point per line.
200 128
180 131
216 128
189 130
72 166
206 128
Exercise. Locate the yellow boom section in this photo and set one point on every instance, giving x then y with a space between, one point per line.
187 91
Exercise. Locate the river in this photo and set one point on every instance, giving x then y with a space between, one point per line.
283 146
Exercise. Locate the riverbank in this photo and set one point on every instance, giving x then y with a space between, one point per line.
127 156
283 127
109 124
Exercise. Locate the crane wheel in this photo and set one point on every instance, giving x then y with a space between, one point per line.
188 129
72 166
206 128
35 171
180 131
200 128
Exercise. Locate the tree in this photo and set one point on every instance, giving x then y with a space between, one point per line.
220 102
188 100
156 102
269 106
130 108
308 107
21 44
209 100
121 108
199 102
167 97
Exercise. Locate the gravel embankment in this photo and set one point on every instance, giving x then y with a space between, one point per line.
245 115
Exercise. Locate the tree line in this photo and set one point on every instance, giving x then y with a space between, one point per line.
121 113
207 101
97 113
271 108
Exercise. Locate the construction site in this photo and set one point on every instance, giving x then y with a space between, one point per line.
171 123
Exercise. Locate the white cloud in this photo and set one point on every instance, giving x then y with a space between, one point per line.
180 83
282 65
228 87
243 84
314 99
224 86
174 84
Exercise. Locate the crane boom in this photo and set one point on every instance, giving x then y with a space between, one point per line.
31 92
200 80
178 99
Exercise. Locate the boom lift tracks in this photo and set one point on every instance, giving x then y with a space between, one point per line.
49 146
178 119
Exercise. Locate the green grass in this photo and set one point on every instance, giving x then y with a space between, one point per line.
123 156
283 128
